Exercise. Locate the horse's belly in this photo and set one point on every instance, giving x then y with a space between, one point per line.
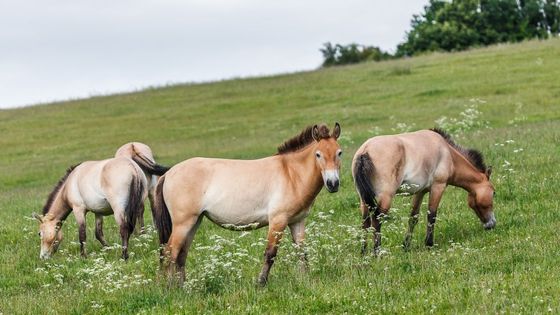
412 186
237 218
98 205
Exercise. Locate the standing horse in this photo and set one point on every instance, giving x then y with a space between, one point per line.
417 163
115 185
143 156
277 191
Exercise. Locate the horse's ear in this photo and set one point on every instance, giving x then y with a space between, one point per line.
38 217
336 130
489 171
315 133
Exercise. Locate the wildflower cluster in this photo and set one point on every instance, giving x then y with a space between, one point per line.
470 119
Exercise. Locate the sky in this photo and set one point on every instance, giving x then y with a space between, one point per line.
63 49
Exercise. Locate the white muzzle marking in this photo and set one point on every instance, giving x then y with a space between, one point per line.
491 222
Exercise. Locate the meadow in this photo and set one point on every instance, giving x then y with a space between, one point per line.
503 100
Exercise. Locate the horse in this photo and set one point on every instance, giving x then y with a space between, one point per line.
143 156
277 191
417 163
113 186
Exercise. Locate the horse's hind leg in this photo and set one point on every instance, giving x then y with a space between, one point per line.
178 247
383 206
436 192
275 232
99 230
366 224
140 220
413 220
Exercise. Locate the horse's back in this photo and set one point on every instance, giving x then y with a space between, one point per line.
414 158
95 184
127 150
237 192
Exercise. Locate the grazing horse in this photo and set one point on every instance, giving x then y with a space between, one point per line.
143 156
277 191
114 186
417 163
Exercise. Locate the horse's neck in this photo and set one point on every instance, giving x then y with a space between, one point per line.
302 169
465 175
59 209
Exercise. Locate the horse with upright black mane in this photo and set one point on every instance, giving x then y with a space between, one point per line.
417 163
277 191
113 186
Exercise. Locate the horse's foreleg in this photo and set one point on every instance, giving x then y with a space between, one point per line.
275 231
413 220
80 215
178 247
298 235
366 224
435 196
99 230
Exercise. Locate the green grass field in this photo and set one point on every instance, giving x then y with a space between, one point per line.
503 100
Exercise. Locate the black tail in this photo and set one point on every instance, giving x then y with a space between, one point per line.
161 215
135 202
363 171
148 165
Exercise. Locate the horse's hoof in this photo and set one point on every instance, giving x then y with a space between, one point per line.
262 281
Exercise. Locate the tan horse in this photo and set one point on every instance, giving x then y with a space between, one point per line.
143 156
277 191
116 185
417 163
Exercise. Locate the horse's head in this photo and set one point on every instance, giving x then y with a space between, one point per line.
328 155
481 200
50 233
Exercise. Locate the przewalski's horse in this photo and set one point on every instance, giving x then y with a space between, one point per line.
115 185
277 191
417 163
143 156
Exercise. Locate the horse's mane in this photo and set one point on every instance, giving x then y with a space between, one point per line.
472 155
303 139
56 189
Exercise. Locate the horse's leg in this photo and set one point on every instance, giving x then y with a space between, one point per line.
275 231
80 215
123 229
99 229
413 220
140 220
383 206
298 235
366 224
178 247
436 192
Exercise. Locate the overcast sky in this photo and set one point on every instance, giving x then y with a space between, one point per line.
61 49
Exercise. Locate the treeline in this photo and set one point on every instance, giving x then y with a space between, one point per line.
460 24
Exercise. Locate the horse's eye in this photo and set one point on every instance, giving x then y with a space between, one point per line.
339 153
318 155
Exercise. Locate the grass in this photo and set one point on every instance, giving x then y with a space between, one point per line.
503 100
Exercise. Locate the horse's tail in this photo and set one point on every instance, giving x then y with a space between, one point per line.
363 172
147 165
135 202
161 215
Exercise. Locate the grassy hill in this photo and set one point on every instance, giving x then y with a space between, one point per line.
503 100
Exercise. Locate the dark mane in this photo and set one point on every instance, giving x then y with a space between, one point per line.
303 139
472 155
56 189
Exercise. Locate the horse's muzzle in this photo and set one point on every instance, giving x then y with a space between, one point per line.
332 185
491 223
